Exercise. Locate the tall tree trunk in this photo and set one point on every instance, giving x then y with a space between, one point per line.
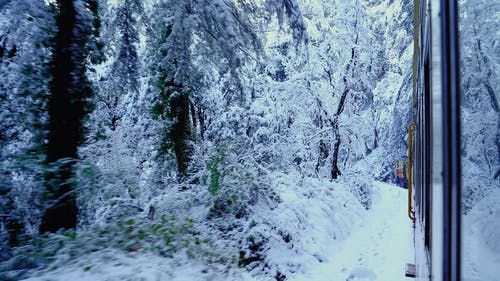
201 118
66 111
336 130
336 147
181 130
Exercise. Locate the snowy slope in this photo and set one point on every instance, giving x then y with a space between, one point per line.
113 265
377 249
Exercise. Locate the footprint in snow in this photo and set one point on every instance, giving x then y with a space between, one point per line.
361 273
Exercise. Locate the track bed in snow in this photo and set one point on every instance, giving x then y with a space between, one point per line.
378 249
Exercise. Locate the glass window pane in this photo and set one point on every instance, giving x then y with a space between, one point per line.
480 144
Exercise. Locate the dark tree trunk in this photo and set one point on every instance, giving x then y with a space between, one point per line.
201 118
336 147
66 111
64 116
350 71
181 130
335 124
323 155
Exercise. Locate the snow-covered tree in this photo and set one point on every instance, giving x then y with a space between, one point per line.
199 38
124 73
332 82
26 30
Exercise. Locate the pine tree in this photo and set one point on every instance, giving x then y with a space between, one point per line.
214 32
126 64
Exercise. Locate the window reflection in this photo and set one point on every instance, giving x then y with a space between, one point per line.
480 143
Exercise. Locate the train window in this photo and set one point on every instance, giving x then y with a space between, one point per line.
479 26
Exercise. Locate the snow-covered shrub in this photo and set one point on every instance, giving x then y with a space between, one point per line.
297 232
22 199
163 235
361 189
108 193
359 179
235 181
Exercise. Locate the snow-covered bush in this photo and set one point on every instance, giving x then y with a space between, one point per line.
234 181
163 235
108 189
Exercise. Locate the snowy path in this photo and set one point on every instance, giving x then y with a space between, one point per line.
378 249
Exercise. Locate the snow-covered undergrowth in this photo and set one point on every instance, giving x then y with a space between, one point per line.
292 227
112 264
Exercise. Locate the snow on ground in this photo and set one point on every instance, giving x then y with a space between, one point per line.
332 245
378 249
115 265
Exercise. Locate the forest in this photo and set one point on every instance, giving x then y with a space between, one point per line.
226 138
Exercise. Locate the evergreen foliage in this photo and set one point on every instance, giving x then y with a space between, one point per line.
26 32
